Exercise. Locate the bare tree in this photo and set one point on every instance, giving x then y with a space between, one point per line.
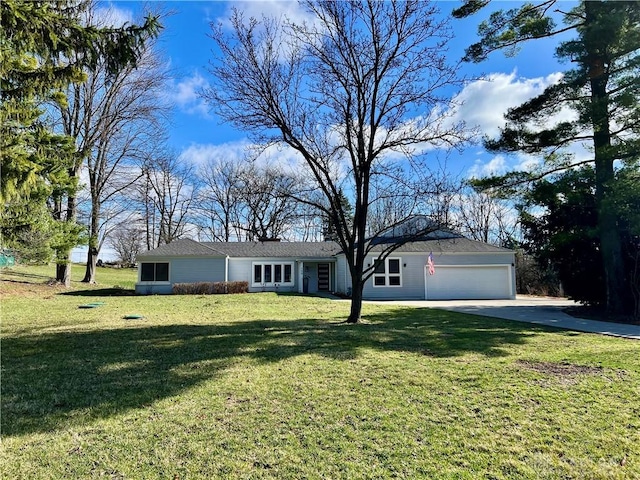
126 239
134 113
142 197
246 200
270 208
485 218
113 116
79 117
168 192
359 85
219 199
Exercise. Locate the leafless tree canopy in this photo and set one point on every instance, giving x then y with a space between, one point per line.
167 191
127 241
246 201
114 117
355 91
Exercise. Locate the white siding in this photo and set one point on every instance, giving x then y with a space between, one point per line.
343 279
241 270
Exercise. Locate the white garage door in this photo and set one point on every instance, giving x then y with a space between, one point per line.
469 282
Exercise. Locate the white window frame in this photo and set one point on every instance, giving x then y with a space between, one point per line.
154 273
387 275
272 266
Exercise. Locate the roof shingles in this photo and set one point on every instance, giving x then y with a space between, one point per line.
186 247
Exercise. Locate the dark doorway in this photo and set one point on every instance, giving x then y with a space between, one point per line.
323 277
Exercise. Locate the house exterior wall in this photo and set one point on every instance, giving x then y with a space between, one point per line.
412 284
412 277
343 278
413 274
193 270
472 258
241 270
183 270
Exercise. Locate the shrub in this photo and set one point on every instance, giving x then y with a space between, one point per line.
210 288
237 287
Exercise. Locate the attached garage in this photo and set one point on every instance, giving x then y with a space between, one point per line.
469 282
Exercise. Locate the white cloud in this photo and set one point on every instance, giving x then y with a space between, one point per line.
185 95
484 102
199 154
527 163
501 164
242 150
113 16
290 9
496 166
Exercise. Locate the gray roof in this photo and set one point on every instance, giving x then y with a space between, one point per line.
183 247
186 248
457 244
276 249
309 250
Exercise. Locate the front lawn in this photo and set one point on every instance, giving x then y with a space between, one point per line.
276 386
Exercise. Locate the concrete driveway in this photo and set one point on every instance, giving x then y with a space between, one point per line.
538 310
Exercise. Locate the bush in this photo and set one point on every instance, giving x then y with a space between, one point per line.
210 288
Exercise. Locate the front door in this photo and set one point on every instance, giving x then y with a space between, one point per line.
323 277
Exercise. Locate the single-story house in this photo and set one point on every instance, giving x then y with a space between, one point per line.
463 268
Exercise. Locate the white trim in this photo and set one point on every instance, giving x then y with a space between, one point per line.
386 273
300 276
273 264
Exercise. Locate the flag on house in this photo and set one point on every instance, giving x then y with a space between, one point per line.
432 268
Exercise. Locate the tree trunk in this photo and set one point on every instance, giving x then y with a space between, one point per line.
356 301
610 242
63 270
92 260
63 267
92 254
357 282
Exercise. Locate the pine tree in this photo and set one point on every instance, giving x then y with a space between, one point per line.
603 90
44 47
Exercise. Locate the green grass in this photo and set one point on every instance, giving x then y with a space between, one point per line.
276 386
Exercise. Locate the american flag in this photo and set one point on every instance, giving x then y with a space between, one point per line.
432 268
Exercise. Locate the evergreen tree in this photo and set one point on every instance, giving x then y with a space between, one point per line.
603 90
44 47
329 230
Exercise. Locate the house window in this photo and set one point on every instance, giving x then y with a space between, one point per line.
387 273
154 272
272 274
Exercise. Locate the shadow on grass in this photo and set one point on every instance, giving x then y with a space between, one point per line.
14 273
55 380
102 292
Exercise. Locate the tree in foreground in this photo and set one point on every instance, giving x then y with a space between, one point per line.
114 119
565 234
45 47
603 91
356 93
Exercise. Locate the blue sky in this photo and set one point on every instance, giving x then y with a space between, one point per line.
196 133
